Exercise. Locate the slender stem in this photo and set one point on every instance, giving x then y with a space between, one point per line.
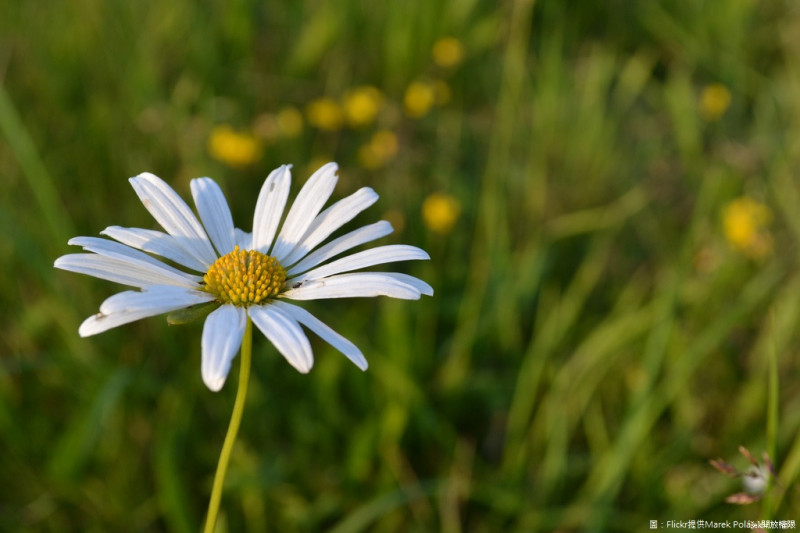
233 428
770 500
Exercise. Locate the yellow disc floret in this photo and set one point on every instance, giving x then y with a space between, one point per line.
245 277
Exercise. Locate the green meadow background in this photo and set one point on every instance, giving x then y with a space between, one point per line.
595 337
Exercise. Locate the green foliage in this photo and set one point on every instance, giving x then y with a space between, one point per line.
595 338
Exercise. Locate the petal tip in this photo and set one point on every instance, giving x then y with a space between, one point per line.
214 383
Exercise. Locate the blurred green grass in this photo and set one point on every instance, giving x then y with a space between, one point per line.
594 339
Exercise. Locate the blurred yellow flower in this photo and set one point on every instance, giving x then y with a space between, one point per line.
714 101
361 105
325 114
380 149
448 52
289 121
745 223
440 212
419 98
233 148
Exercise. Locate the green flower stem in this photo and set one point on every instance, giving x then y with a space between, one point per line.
233 428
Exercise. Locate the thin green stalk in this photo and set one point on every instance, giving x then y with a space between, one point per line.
233 428
772 409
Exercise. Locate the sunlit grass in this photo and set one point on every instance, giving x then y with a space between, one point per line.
597 334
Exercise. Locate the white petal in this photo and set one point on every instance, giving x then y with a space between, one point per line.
306 206
175 216
342 244
243 239
154 242
222 336
361 284
285 333
119 251
330 220
269 207
214 212
373 256
129 306
126 272
326 333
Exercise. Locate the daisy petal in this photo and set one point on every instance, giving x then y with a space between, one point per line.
154 242
417 283
342 244
285 333
330 220
325 333
222 336
130 306
126 272
174 215
361 284
269 207
243 239
119 251
373 256
214 212
306 206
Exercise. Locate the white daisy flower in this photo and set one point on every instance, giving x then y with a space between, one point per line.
243 274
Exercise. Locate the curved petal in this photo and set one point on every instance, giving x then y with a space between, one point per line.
130 306
330 220
349 349
243 239
361 284
285 333
222 336
373 256
154 242
174 215
269 207
214 212
342 244
122 252
126 272
306 206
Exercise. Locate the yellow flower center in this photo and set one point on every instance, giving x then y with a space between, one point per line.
245 277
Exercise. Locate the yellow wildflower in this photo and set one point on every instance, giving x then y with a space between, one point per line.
440 212
233 148
381 148
448 52
289 121
419 98
361 105
745 223
714 101
325 114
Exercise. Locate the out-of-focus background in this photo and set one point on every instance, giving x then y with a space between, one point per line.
610 195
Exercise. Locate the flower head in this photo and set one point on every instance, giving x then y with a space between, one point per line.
233 148
714 101
381 148
419 98
244 274
755 480
440 212
325 113
447 52
361 105
745 222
